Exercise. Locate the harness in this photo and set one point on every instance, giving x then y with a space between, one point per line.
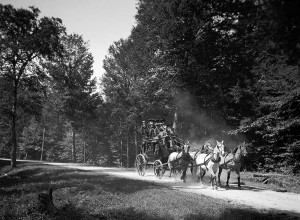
183 157
216 161
204 163
195 156
230 160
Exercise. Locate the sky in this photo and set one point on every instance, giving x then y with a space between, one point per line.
100 22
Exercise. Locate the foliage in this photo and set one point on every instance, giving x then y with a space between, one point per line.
232 67
275 126
71 78
24 39
216 69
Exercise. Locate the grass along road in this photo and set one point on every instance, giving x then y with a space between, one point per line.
258 198
86 192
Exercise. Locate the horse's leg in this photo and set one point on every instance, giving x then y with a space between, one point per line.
170 167
215 178
238 178
195 170
201 175
215 181
204 172
212 181
184 175
228 177
219 175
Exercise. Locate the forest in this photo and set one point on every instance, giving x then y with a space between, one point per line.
223 70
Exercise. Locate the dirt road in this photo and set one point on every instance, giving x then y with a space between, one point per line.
255 197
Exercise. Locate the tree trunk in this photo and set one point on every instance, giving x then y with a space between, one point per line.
74 148
84 152
13 128
45 203
26 155
121 143
127 149
43 141
135 141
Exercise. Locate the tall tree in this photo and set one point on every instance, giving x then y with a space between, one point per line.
24 39
72 76
136 87
275 127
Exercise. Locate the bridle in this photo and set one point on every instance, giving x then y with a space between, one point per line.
241 154
219 151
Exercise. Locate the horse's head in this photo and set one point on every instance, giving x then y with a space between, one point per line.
220 148
207 146
186 147
240 151
186 153
243 149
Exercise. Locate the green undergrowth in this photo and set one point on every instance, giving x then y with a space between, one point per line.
79 194
280 183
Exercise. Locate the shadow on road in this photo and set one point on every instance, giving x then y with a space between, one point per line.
75 183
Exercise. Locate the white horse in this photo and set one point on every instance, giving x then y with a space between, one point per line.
205 148
233 162
179 161
210 162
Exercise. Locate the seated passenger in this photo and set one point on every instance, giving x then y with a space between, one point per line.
170 134
151 129
144 132
163 135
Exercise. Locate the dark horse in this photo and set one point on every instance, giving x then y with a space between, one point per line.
179 161
232 162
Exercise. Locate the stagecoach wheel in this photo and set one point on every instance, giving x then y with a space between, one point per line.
140 164
158 169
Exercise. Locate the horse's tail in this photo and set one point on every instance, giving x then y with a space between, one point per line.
170 159
169 163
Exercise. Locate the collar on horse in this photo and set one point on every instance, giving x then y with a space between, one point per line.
214 160
230 160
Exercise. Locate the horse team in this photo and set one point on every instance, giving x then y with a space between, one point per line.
208 159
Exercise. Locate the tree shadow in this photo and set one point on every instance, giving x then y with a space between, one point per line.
245 214
71 212
44 176
249 214
243 187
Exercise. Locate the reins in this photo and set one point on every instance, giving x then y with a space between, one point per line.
232 159
204 163
178 158
196 154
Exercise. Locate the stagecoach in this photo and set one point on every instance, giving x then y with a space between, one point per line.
158 154
154 153
146 159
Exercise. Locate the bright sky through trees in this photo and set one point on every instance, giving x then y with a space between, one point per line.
101 22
